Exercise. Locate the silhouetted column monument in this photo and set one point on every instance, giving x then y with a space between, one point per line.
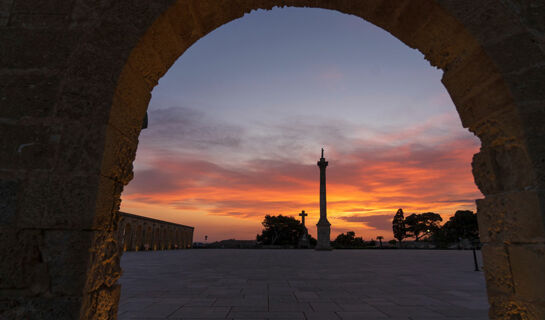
323 226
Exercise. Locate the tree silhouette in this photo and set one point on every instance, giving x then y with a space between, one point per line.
398 226
422 225
463 225
348 240
379 238
282 230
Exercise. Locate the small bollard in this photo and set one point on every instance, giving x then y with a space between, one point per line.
475 259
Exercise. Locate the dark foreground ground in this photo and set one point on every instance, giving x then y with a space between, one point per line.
302 284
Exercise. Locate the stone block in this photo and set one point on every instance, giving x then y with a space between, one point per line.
55 201
92 105
35 21
413 16
81 148
130 103
59 7
108 203
8 202
381 13
66 253
27 147
102 304
527 85
531 115
528 267
91 84
441 38
42 308
487 21
146 60
119 154
500 129
28 94
503 168
180 18
103 268
512 217
476 88
24 270
5 11
497 270
101 293
508 308
527 53
484 174
167 43
36 51
532 13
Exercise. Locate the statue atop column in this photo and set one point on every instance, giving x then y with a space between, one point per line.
323 226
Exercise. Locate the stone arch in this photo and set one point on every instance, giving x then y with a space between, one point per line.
138 237
157 238
186 239
127 237
148 245
164 239
144 235
178 239
171 238
80 130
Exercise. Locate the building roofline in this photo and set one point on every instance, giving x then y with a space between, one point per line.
154 220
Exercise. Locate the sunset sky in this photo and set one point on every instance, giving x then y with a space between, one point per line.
236 127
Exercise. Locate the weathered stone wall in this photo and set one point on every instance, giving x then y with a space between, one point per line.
75 82
137 233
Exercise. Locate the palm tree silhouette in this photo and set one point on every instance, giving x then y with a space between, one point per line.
379 238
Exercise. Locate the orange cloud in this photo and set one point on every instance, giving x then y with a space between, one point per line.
365 186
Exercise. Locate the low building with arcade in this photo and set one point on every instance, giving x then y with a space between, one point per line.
137 233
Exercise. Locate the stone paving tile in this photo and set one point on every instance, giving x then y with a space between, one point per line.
134 305
201 312
157 310
250 301
268 315
357 307
293 306
362 315
455 311
321 316
410 311
200 302
260 308
325 306
271 284
287 298
308 296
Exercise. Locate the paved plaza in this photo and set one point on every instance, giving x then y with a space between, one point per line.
302 284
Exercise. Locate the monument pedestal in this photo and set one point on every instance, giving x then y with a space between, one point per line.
324 230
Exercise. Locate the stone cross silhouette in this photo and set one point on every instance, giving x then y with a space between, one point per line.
303 215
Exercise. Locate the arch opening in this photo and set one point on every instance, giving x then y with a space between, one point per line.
492 64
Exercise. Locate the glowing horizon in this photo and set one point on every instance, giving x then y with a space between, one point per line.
232 139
